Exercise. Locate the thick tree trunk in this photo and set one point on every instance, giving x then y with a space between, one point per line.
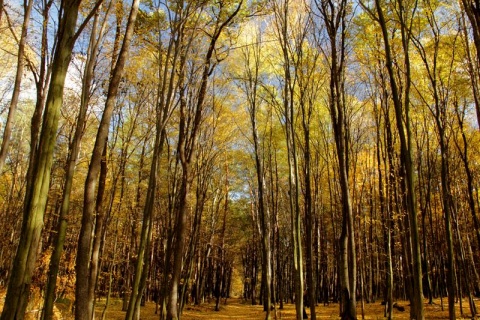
35 202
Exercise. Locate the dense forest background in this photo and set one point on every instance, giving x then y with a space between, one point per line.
284 151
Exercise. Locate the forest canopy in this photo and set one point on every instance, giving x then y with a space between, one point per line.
278 151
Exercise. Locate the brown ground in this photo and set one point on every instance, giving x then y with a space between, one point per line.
238 309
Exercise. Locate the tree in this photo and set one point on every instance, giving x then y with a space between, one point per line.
163 110
250 83
291 42
88 248
402 116
334 17
189 124
440 82
36 198
472 9
47 312
18 80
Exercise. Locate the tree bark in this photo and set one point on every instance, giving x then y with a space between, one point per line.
35 202
7 131
334 18
187 141
83 301
47 312
402 121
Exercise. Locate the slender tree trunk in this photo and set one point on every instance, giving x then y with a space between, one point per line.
402 113
185 152
143 254
282 18
251 87
446 197
335 22
7 131
70 170
110 273
83 303
463 150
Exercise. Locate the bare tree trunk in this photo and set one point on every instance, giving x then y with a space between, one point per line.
439 111
282 25
163 110
250 88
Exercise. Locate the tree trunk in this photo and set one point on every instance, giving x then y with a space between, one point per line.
252 79
402 121
83 301
35 201
70 170
7 131
185 152
335 22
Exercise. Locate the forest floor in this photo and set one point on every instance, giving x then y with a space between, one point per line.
239 309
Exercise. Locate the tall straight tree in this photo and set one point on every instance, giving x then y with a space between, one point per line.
250 85
289 47
309 88
7 131
35 201
164 105
402 117
95 38
88 257
440 82
334 16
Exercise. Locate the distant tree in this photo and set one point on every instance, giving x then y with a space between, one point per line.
190 120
